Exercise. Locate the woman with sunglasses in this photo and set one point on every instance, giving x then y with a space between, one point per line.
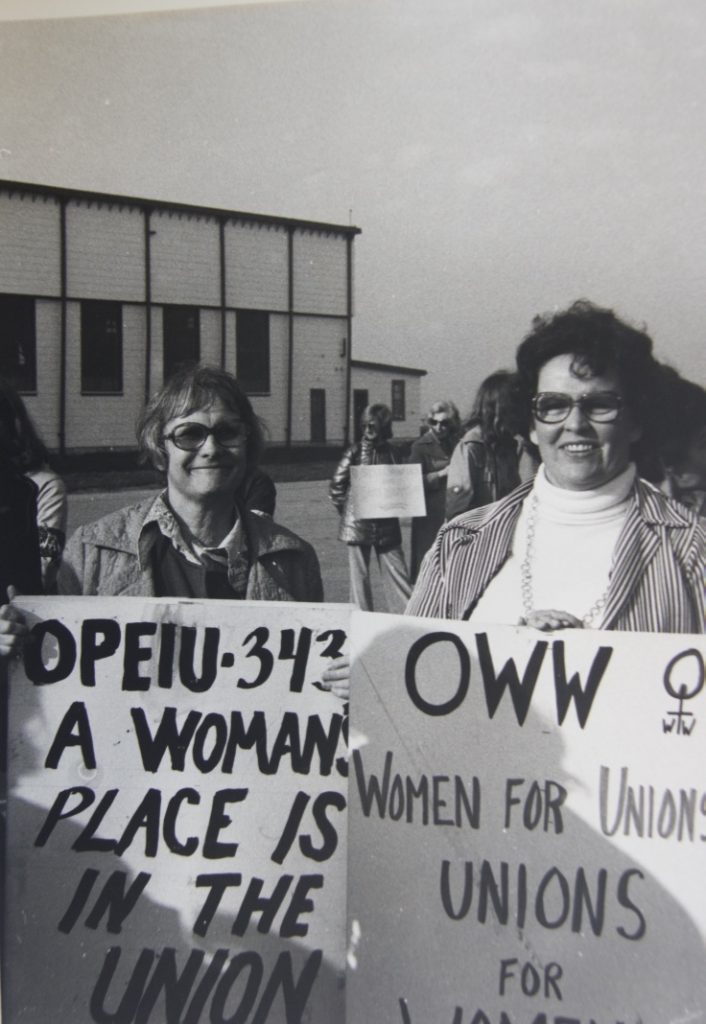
198 537
588 543
432 451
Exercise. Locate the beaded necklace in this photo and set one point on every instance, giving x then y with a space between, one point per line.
526 572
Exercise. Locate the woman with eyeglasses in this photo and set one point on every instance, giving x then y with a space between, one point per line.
197 538
432 451
588 543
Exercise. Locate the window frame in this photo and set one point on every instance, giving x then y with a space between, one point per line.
398 399
261 320
27 304
174 310
111 310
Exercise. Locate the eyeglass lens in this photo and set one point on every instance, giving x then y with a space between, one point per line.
439 423
190 436
555 407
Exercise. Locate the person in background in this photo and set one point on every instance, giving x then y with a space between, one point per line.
433 452
20 563
492 457
362 536
259 492
588 543
29 455
682 443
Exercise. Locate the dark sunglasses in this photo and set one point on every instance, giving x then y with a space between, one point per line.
192 436
439 423
555 406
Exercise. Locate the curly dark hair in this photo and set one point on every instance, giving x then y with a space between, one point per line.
189 390
599 342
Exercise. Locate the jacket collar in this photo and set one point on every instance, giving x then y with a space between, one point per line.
133 530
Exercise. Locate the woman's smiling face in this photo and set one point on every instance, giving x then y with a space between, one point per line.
580 454
210 471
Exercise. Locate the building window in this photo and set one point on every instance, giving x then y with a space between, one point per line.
252 345
181 338
101 348
18 342
398 400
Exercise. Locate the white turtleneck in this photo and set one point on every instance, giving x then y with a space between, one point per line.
575 533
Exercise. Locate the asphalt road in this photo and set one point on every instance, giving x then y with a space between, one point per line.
302 506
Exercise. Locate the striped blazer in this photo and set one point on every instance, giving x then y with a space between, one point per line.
657 580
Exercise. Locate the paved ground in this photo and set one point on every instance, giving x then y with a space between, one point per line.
302 506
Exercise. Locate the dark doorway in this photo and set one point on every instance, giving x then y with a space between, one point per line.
180 330
317 404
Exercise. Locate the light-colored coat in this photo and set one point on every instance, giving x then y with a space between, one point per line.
111 557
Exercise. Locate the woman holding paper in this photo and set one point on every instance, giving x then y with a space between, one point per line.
364 535
588 543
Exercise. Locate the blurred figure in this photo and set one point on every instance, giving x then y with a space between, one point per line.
433 453
362 535
28 453
20 565
492 457
259 493
682 445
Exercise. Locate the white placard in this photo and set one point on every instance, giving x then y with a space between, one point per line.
386 492
527 831
177 814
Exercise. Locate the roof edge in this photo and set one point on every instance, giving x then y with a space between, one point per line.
367 364
61 192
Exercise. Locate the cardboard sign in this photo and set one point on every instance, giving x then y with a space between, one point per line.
527 832
385 492
177 814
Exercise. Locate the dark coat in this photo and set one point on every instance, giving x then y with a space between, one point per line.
430 454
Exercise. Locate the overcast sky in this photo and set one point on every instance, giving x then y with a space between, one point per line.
501 158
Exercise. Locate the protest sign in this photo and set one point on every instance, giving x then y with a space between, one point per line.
384 492
527 825
177 814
